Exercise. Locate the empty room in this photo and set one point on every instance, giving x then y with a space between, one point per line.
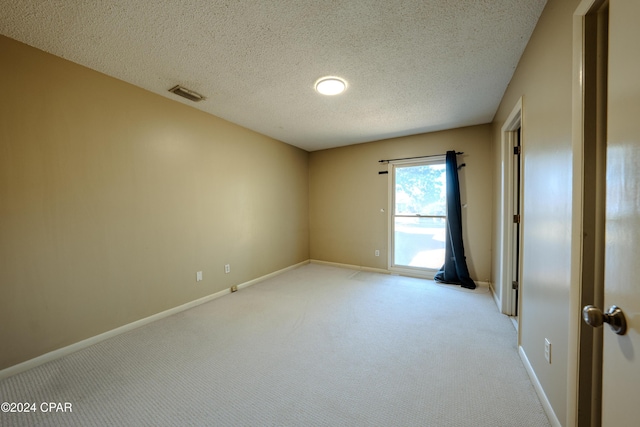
319 213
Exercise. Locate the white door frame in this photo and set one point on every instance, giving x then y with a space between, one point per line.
505 274
579 105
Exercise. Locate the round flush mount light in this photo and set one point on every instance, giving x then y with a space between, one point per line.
331 85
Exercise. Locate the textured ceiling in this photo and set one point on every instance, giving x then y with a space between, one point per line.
412 66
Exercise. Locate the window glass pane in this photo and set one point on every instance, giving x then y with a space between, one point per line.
421 190
419 242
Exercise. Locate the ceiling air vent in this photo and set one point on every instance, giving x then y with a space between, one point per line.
186 93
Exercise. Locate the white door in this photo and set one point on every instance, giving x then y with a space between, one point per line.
621 356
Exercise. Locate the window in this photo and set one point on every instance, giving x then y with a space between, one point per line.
419 213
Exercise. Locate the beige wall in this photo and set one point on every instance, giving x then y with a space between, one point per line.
111 198
347 193
544 80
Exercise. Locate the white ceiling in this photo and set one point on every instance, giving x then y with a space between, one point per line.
413 66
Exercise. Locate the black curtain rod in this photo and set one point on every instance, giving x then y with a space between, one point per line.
419 157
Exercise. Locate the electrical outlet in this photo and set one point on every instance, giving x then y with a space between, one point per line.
377 252
547 350
199 276
234 288
227 268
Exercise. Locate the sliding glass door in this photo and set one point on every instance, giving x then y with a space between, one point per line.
418 216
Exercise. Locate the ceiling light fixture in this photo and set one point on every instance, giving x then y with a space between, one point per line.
331 85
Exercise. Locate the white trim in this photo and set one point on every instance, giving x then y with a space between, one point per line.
270 275
496 297
408 273
546 405
423 273
56 354
575 296
436 158
514 322
505 291
577 188
350 266
390 190
394 271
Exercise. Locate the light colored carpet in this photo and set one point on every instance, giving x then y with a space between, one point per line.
316 346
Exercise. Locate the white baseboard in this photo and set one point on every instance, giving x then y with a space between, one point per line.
546 405
270 275
496 297
350 266
408 273
56 354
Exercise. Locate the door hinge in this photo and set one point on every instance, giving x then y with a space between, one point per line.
516 219
514 285
517 150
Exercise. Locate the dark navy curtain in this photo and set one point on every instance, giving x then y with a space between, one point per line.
454 270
